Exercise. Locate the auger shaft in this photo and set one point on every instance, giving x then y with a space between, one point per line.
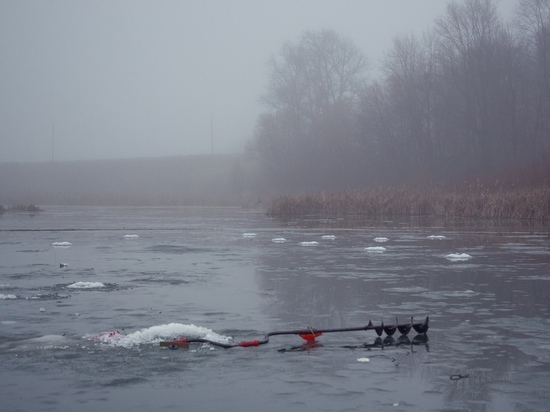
307 334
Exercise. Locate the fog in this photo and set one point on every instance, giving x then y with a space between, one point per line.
122 79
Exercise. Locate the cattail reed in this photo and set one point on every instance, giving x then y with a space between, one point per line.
476 202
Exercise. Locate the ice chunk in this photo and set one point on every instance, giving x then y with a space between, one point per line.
86 285
313 243
7 297
61 244
375 249
458 256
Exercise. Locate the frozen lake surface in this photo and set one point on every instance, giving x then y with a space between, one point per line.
87 294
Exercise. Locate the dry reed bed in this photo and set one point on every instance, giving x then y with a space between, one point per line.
523 204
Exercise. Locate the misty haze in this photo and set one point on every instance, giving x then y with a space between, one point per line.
191 191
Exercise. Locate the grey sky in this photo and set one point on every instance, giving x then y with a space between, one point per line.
132 78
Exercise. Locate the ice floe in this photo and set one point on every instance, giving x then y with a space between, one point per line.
409 289
61 244
381 239
86 285
7 297
155 334
375 249
278 240
458 256
313 243
131 237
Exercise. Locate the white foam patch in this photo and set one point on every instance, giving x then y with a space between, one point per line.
7 297
436 237
61 244
328 237
155 334
249 235
86 285
131 236
363 360
313 243
375 249
278 240
455 257
381 239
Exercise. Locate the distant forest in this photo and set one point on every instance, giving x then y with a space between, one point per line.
468 100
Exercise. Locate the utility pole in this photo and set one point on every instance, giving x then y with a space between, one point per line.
212 133
53 140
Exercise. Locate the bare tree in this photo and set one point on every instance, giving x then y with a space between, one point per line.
533 20
314 87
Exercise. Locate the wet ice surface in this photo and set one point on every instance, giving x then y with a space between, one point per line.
86 336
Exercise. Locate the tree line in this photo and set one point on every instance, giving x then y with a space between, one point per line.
471 97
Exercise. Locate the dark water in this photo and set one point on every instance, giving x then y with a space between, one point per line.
217 273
